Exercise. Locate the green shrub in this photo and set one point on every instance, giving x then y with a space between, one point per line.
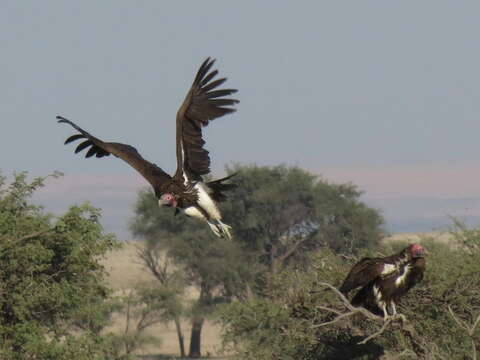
54 301
288 322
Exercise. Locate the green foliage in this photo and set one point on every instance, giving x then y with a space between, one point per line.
292 211
278 214
441 312
53 297
211 264
206 261
282 214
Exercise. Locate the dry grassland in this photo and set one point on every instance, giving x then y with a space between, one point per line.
441 237
124 272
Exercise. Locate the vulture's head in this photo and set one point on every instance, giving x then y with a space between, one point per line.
168 199
416 251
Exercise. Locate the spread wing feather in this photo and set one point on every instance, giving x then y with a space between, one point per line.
151 172
217 187
201 105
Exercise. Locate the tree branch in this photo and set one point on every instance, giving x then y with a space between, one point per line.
290 251
352 310
29 236
469 329
379 332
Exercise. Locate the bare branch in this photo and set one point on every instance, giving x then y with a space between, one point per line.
29 236
379 332
355 310
289 252
337 319
329 309
469 329
349 306
406 352
457 320
475 324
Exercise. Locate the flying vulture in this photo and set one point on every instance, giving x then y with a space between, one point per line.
383 281
186 190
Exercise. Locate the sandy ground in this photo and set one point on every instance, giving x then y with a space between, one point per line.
125 271
442 237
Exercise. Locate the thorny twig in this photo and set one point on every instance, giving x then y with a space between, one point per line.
469 329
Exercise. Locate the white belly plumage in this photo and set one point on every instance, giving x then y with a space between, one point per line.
206 203
206 210
401 279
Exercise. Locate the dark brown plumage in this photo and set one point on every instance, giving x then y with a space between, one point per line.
186 189
383 281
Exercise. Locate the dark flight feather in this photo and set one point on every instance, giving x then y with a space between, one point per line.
202 104
73 138
218 187
82 146
91 152
151 172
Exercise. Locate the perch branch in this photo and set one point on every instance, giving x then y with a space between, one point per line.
377 333
346 303
352 310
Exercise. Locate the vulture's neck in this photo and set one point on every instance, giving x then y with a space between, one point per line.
400 259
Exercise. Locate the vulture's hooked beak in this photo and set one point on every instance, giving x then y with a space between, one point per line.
421 253
163 202
169 201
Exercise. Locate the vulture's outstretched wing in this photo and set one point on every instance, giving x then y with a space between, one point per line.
151 172
202 104
365 271
217 187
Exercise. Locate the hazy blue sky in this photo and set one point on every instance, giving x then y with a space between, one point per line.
380 93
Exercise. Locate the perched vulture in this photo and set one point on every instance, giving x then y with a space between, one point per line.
383 281
185 190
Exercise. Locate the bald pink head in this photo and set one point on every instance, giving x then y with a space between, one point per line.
417 250
168 199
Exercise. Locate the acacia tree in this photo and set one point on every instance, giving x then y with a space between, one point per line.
214 266
53 302
170 278
282 213
278 215
304 317
145 305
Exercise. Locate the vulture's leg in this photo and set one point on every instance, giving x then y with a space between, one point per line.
394 309
396 314
220 229
385 311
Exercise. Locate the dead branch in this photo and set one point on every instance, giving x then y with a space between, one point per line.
27 237
352 310
379 332
329 309
349 306
406 352
469 329
337 319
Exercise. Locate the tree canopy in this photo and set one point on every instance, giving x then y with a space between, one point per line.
303 318
281 213
53 298
278 214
